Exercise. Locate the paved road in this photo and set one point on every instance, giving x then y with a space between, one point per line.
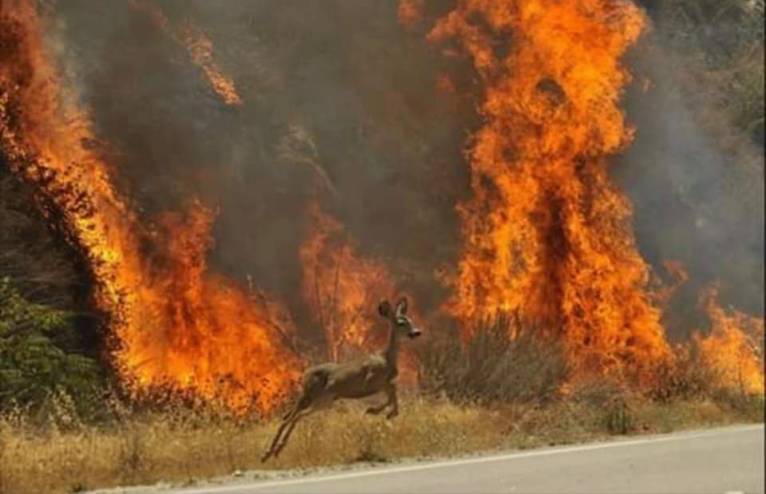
719 461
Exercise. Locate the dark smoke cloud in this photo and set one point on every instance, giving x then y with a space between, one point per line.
335 89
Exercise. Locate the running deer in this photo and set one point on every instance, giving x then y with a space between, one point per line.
325 383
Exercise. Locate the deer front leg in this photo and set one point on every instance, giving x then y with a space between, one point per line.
393 400
390 400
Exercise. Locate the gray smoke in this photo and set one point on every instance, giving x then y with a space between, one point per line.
698 193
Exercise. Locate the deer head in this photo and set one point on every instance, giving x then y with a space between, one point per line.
400 323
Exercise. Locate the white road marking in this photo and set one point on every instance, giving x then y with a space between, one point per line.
469 461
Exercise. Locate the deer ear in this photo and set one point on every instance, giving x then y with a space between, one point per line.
384 309
401 306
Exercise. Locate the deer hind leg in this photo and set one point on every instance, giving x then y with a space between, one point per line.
289 431
289 420
312 389
374 410
319 403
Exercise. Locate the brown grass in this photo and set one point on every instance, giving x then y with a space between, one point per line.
493 393
182 446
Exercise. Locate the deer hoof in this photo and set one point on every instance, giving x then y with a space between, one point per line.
392 414
373 410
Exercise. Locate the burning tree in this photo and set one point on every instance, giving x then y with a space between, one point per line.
173 325
547 234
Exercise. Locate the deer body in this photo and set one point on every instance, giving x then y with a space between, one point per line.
376 373
357 379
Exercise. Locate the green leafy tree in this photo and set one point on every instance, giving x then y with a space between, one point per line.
32 367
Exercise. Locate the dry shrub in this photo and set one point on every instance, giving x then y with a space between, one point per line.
501 364
689 377
683 377
686 393
613 398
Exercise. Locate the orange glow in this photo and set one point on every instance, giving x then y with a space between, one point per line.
734 347
410 12
200 49
445 85
174 325
343 290
547 235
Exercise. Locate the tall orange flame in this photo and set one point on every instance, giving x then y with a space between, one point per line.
175 326
547 235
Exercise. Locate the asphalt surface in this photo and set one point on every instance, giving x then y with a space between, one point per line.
721 461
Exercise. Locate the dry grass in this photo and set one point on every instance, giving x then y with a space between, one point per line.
182 446
493 393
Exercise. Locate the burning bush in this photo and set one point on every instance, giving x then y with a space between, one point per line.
684 377
733 350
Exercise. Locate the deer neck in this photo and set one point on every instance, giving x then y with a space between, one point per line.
392 350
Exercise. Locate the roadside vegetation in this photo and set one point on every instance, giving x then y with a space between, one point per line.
130 444
64 429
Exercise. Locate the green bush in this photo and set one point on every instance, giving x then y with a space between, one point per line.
33 369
